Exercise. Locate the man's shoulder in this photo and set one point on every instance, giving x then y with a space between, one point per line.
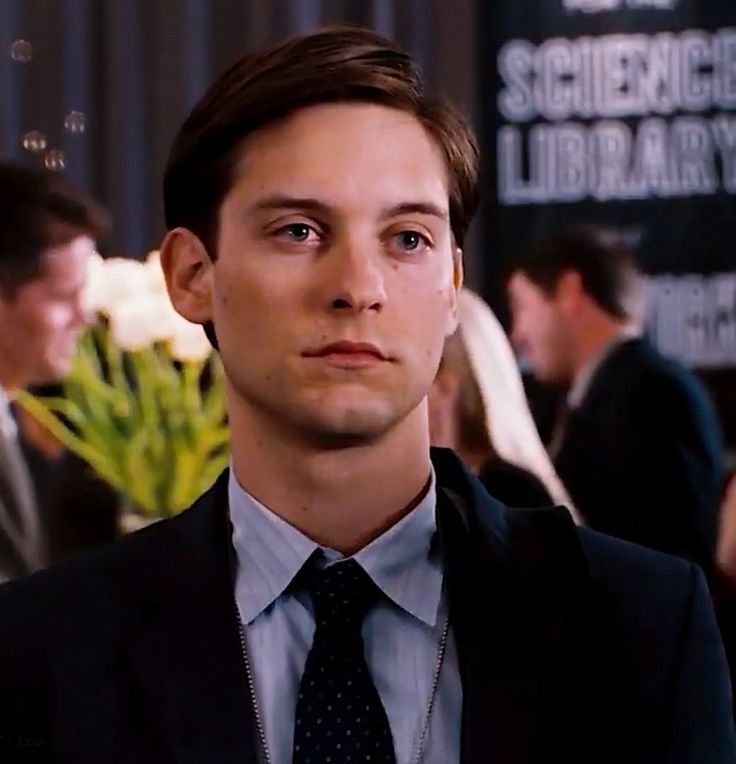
128 567
635 574
97 596
650 596
612 564
94 573
547 539
646 596
637 374
639 358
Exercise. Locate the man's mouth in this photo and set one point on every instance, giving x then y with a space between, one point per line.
348 354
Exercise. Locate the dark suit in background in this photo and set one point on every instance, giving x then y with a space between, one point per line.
23 543
572 646
51 508
642 455
78 510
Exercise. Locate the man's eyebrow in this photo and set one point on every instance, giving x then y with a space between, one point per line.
280 202
408 208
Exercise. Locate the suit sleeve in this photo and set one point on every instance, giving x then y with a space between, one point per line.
665 472
700 728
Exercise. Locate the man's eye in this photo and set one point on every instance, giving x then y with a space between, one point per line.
410 241
298 232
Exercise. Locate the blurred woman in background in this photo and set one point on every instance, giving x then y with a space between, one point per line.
477 406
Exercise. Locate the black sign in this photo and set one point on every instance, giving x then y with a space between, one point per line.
620 112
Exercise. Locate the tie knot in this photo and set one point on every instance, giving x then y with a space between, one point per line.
342 595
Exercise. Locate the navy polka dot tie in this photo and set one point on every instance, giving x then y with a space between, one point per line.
339 715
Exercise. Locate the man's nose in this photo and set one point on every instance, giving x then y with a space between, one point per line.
357 279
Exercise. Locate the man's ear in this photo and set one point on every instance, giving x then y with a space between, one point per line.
458 276
187 269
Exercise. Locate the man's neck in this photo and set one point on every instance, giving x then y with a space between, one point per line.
594 339
597 351
342 498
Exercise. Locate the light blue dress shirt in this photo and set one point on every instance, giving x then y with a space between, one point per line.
401 633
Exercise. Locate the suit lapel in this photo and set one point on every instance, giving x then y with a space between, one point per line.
509 609
188 657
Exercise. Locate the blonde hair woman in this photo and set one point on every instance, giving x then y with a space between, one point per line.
478 407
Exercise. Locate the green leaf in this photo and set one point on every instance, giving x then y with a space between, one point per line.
154 428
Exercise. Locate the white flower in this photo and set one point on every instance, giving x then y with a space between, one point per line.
138 322
94 285
188 341
154 273
133 296
122 281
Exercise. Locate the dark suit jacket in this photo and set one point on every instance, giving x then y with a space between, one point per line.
21 550
78 509
642 455
572 646
512 485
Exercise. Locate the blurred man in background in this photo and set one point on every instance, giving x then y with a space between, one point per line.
638 445
47 231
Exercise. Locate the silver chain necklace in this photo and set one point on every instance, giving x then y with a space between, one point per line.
424 729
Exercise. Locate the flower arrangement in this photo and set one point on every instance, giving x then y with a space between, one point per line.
144 402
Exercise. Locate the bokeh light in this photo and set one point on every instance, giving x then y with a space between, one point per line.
21 51
75 122
55 160
34 141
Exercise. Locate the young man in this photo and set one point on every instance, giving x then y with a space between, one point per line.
338 596
47 231
639 445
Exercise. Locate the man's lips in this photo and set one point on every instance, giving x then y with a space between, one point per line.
347 349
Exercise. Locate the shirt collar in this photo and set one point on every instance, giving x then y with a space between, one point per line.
8 425
583 379
403 561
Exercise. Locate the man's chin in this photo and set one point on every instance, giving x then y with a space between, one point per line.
53 372
349 429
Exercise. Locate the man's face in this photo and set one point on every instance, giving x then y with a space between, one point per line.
40 323
336 276
540 330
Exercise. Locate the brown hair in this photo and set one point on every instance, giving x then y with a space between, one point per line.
602 256
472 432
337 64
40 210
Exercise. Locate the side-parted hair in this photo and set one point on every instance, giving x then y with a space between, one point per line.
604 259
40 210
336 64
